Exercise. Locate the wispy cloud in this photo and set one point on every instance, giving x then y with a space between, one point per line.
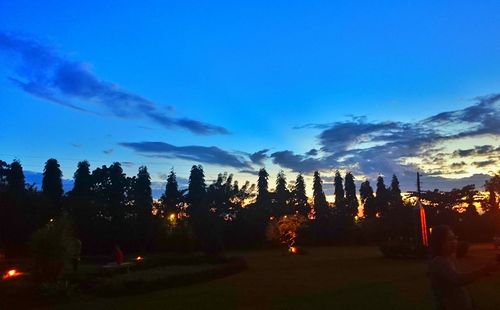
45 73
194 153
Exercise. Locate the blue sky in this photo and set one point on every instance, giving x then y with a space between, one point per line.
170 84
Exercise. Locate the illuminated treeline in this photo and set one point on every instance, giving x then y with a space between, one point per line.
108 208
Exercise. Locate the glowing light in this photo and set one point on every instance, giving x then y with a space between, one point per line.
293 250
423 224
172 217
139 258
11 274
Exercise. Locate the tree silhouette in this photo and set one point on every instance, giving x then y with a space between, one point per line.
382 199
172 197
368 200
82 205
110 187
203 218
4 171
82 181
321 208
339 192
281 196
351 200
395 201
492 186
117 192
143 202
15 178
21 209
196 190
220 193
263 189
143 199
52 184
299 198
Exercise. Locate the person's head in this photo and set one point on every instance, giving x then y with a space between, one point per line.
442 242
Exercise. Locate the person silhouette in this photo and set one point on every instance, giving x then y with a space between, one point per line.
449 285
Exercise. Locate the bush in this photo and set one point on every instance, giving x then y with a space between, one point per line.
51 247
462 249
402 248
286 229
58 289
162 278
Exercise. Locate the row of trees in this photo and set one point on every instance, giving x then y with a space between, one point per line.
108 208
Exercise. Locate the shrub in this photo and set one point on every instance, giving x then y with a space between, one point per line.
162 278
57 289
286 229
462 249
402 248
51 248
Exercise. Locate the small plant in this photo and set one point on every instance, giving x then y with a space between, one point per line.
286 230
57 289
51 247
462 249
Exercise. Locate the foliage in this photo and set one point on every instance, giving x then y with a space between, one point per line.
165 277
368 200
402 248
172 199
59 289
51 247
299 201
109 208
286 229
281 196
351 201
52 184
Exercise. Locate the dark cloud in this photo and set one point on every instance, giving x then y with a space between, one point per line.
248 171
478 119
458 165
108 151
477 150
484 163
433 182
301 163
312 152
195 153
259 157
44 73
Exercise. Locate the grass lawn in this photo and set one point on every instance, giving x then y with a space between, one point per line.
326 277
